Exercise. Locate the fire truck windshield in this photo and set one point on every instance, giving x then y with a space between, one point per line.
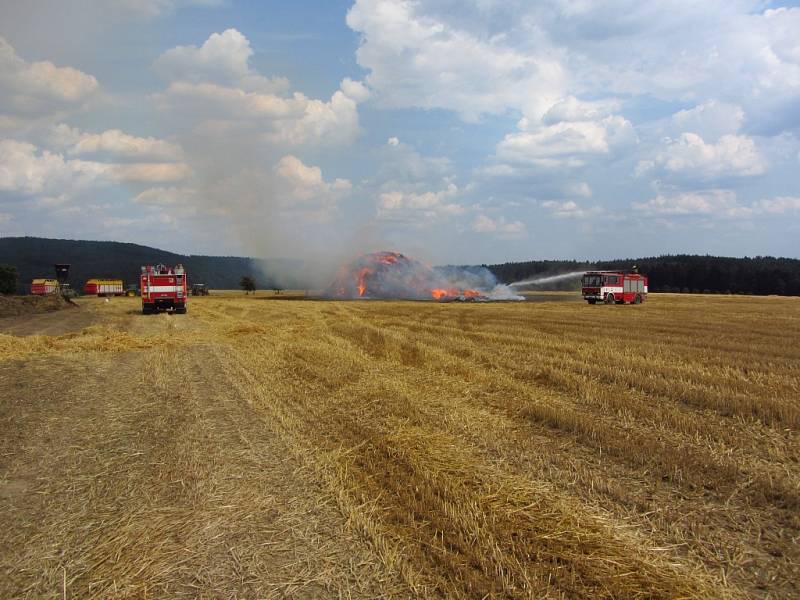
592 280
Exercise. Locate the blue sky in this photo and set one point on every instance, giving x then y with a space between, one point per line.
457 131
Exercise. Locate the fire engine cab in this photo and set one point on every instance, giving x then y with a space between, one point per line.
614 287
163 288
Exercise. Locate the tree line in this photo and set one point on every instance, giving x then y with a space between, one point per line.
8 279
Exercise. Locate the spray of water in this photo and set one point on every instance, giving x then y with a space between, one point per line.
547 279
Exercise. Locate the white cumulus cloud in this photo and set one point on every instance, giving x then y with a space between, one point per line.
711 119
418 58
579 74
717 203
566 143
216 85
223 58
485 224
779 205
732 155
114 143
477 57
28 170
705 202
306 183
573 109
354 90
420 208
570 209
32 89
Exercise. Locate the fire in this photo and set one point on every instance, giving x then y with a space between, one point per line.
362 284
455 294
394 275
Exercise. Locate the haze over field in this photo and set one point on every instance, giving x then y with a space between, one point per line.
455 132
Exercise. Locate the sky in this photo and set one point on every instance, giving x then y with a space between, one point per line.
456 131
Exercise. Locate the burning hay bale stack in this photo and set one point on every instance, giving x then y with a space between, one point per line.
394 276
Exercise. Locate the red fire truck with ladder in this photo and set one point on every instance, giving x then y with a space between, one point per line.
614 287
163 288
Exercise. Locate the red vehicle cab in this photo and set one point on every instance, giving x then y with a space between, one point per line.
614 287
163 288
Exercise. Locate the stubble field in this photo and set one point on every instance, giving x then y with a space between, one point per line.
263 447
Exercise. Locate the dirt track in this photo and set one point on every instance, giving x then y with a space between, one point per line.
145 470
254 448
49 323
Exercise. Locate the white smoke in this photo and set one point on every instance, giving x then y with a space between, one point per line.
504 292
391 275
478 278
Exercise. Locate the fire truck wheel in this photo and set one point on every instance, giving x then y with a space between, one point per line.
592 301
610 299
637 299
180 311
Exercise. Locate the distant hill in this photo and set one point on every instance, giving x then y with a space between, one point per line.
34 257
760 275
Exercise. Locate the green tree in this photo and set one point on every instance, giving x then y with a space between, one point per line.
8 279
248 284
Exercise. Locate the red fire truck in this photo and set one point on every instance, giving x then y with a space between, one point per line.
614 287
163 288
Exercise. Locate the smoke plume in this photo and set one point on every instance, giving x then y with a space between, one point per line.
391 275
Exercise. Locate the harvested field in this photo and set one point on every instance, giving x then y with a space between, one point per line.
298 448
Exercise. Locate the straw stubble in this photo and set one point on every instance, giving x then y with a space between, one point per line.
258 448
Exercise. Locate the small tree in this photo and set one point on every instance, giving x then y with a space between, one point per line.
8 279
248 284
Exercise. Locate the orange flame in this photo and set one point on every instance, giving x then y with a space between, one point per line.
391 274
444 294
362 284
